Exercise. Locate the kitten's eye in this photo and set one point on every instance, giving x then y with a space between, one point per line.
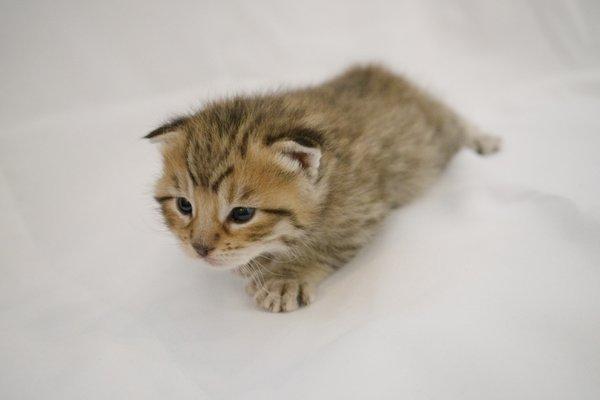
241 214
184 206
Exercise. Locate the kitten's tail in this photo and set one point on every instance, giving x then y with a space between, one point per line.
482 143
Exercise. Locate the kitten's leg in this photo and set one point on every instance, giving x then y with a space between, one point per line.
286 287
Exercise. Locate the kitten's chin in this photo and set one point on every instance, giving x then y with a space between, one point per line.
229 265
218 264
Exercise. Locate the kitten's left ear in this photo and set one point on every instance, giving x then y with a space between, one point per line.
166 132
299 151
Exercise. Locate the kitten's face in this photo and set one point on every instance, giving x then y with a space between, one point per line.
230 199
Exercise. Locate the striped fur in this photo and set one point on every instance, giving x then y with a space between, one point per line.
375 142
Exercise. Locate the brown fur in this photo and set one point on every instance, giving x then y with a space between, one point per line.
321 165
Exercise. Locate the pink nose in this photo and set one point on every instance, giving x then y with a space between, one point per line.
201 249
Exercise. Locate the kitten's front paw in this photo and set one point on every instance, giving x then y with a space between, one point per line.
281 295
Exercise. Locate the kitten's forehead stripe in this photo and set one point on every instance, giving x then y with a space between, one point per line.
244 144
225 150
217 182
252 126
192 149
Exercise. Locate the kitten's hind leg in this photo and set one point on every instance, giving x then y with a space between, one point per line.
481 143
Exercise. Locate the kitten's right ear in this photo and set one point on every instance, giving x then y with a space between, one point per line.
166 132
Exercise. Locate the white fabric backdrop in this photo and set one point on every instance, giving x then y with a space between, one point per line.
486 288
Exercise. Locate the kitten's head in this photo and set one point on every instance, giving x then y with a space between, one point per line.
240 180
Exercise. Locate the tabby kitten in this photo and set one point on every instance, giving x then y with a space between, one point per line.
285 188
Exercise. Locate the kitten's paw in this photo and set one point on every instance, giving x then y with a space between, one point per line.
281 295
485 144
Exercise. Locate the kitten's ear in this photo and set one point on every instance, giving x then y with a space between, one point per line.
167 132
299 150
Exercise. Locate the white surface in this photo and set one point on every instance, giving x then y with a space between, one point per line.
486 288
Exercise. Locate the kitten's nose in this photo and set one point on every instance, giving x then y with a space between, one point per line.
201 249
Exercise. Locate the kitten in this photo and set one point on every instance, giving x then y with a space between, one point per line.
285 188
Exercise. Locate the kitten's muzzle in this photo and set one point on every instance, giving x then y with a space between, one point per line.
202 249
